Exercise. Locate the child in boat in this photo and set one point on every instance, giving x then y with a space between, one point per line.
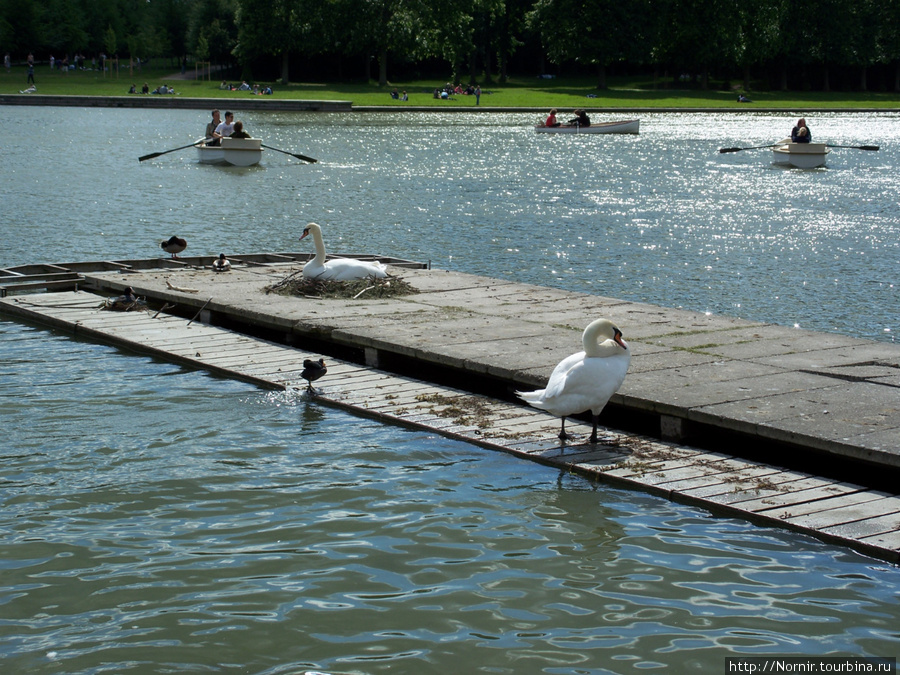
239 131
551 119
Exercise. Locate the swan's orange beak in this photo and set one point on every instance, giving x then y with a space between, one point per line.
618 338
305 233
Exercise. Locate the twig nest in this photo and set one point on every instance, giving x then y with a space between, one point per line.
370 288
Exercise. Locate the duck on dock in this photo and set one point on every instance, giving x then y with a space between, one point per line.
173 245
125 302
585 380
221 264
312 371
338 269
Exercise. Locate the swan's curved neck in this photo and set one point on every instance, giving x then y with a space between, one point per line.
591 339
320 245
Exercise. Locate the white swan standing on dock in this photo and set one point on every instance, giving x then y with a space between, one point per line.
338 269
586 380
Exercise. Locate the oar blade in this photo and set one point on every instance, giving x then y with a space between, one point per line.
166 152
755 147
855 147
292 154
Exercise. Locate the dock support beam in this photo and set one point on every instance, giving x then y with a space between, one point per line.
672 428
371 357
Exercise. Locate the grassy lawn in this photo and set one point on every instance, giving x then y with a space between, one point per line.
563 93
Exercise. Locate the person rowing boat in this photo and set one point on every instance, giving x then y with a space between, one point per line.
580 120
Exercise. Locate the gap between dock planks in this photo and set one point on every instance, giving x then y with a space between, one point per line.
843 513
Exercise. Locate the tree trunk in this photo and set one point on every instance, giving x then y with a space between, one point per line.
826 79
285 74
897 76
863 83
382 68
601 76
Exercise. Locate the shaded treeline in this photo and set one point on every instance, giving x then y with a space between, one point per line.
778 44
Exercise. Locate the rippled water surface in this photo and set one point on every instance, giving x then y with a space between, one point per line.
160 520
662 217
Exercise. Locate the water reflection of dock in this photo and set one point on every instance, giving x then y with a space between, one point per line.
775 424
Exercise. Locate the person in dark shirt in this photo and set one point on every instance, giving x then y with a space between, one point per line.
580 120
239 131
800 133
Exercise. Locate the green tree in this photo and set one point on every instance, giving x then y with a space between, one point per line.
64 31
169 20
274 28
215 21
99 16
889 42
20 26
447 30
596 33
864 46
697 37
510 24
758 34
110 42
378 29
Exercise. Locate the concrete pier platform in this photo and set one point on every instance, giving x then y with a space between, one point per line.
693 376
791 404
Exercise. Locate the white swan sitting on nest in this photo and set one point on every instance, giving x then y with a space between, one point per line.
586 380
338 269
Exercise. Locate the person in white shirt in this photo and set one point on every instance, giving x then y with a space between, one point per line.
226 128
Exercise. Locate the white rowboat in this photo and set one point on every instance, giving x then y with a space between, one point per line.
624 127
800 155
232 152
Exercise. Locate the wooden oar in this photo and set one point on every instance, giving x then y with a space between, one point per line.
854 147
303 157
165 152
755 147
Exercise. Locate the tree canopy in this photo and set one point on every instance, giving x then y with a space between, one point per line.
810 44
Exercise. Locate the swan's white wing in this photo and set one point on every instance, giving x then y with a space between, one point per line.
579 384
597 380
345 269
557 382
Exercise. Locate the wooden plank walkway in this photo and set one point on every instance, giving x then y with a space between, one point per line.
863 519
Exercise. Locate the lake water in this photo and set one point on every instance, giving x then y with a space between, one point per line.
662 217
160 520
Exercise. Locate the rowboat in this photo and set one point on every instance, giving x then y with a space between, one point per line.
622 127
232 152
800 155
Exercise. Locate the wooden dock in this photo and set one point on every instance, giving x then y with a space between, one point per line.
835 510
